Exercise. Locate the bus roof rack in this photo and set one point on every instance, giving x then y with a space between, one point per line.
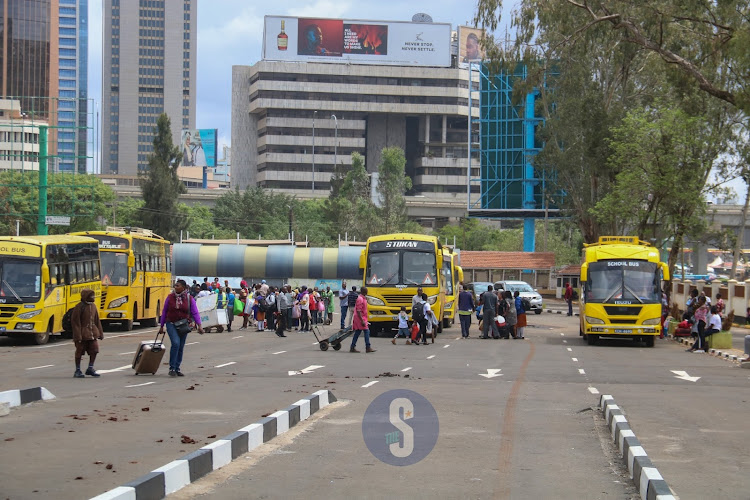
619 240
134 230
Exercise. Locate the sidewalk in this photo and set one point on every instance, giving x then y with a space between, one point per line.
733 355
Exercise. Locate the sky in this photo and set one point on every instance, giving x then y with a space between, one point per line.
230 33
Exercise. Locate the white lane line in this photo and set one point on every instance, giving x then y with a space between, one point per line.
114 369
581 371
38 367
562 334
593 390
406 369
370 384
446 346
570 349
575 359
430 357
124 353
53 345
239 337
280 352
192 343
226 364
457 338
140 385
565 341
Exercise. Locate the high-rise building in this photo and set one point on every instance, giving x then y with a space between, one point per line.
362 86
148 68
29 55
72 106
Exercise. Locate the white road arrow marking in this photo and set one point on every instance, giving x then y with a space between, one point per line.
684 376
569 349
491 373
593 390
115 369
446 346
309 369
575 359
430 357
581 371
226 364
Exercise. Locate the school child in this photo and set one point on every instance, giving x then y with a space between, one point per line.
403 327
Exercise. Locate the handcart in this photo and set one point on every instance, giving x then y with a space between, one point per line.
211 317
334 340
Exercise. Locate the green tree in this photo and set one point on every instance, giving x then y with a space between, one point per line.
392 185
254 212
351 210
127 213
84 198
160 185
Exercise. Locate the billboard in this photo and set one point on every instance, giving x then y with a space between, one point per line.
469 48
356 42
198 147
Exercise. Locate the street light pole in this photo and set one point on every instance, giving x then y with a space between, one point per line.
335 142
313 154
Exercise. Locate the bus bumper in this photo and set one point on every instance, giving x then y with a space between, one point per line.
623 331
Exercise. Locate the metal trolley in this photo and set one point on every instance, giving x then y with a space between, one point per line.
334 340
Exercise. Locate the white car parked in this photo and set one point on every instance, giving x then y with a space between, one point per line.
525 291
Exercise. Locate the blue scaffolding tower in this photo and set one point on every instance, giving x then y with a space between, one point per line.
503 139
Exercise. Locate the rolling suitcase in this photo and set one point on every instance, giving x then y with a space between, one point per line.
149 355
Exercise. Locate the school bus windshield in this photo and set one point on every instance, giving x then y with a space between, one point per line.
114 268
20 280
614 280
401 267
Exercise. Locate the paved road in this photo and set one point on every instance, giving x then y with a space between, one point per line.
529 433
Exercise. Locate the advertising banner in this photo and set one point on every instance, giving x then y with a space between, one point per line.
356 42
468 45
198 147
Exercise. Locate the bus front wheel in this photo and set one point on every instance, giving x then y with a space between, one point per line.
650 341
592 339
43 338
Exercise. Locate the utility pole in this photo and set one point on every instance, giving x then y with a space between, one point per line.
291 216
41 224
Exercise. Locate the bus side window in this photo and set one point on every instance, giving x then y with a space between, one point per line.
54 275
88 272
97 270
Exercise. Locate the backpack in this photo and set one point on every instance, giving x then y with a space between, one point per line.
67 322
417 312
526 304
575 294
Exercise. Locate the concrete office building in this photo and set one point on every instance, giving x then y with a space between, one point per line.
148 67
72 106
19 138
282 110
29 57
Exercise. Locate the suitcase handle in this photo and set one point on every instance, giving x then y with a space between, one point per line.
156 340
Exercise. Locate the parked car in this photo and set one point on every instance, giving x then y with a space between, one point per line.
525 291
478 288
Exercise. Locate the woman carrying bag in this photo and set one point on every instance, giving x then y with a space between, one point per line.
179 309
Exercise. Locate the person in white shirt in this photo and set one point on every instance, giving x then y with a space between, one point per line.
403 326
713 326
343 302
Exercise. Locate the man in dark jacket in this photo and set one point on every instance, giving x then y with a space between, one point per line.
86 330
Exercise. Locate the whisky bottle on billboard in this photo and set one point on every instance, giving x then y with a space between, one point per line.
282 41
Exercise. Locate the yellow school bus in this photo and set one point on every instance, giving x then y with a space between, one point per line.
41 278
620 294
394 266
136 275
453 275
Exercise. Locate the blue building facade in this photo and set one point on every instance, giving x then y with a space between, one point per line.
72 108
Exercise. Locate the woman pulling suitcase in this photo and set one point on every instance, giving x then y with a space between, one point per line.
179 307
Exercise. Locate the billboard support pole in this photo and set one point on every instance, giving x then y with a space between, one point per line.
41 225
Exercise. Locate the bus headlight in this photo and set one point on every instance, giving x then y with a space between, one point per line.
24 326
432 299
652 321
374 301
448 305
594 321
30 314
117 302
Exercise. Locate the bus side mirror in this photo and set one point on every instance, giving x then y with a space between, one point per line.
131 260
584 273
45 274
362 260
664 270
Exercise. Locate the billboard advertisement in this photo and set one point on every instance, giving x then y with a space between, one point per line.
356 42
198 147
469 48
